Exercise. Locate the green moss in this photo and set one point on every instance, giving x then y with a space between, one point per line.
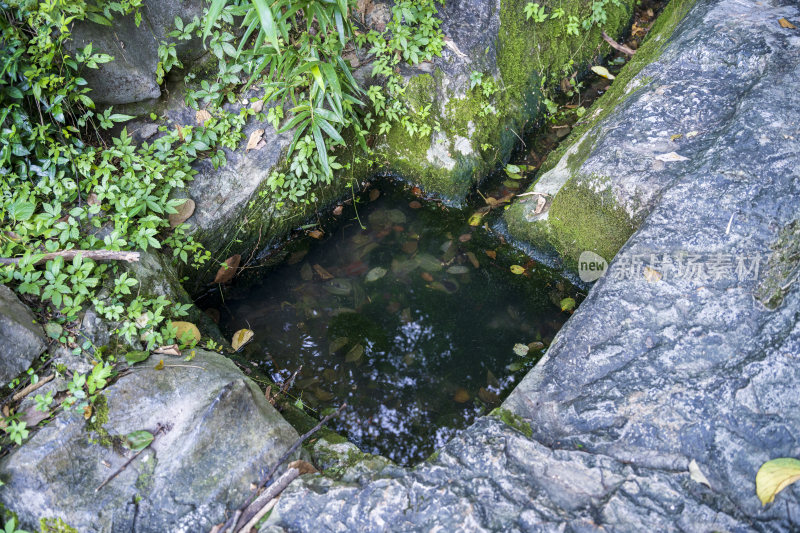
513 420
99 418
55 525
780 272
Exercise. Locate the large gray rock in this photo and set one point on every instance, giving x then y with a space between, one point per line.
222 433
21 338
131 77
647 377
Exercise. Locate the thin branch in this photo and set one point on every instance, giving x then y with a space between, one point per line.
616 46
99 255
158 431
32 387
258 508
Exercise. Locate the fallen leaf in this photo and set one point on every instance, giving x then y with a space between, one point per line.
87 412
303 467
786 24
651 274
516 269
541 202
473 260
138 440
316 234
252 141
374 194
136 356
180 132
465 237
774 476
53 330
338 210
324 274
475 219
697 475
375 274
186 331
491 253
185 210
413 204
200 116
257 106
521 349
602 71
461 395
92 199
426 276
171 349
672 156
228 269
355 354
240 338
159 365
692 134
488 396
568 304
675 137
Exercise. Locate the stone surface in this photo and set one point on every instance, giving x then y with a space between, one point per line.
21 338
647 376
131 77
223 432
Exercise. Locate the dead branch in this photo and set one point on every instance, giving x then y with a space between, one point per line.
98 255
32 387
158 431
251 515
616 46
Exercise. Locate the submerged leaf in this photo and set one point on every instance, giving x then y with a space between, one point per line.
375 274
324 274
521 349
774 476
337 344
461 395
240 338
355 354
475 219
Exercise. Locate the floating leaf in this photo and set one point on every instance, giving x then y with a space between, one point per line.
322 273
516 269
228 269
159 365
136 356
568 304
201 116
375 274
186 331
461 395
670 157
254 139
138 440
521 349
786 24
323 395
697 475
774 476
185 210
651 274
491 253
413 204
355 354
171 349
602 71
337 344
488 396
240 338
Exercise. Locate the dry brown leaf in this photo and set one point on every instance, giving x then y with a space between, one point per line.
492 254
172 349
92 199
786 24
540 203
414 204
324 274
465 237
87 412
180 132
316 233
200 116
303 467
228 270
374 194
338 210
254 139
185 210
257 106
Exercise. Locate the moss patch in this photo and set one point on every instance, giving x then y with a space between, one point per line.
513 420
782 267
99 418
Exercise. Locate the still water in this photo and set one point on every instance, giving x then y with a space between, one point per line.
415 319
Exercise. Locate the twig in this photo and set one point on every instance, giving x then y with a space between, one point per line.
32 387
235 518
159 430
616 46
259 515
99 255
251 514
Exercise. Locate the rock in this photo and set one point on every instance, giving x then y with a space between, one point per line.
223 433
21 338
131 77
647 377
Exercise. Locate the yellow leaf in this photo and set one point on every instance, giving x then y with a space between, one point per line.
87 412
186 331
602 71
240 338
651 274
475 219
254 139
568 304
185 210
516 269
774 476
201 115
675 137
159 366
786 24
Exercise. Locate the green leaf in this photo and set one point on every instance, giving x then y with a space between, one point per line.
322 150
136 356
214 11
21 210
138 440
774 476
568 304
267 22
